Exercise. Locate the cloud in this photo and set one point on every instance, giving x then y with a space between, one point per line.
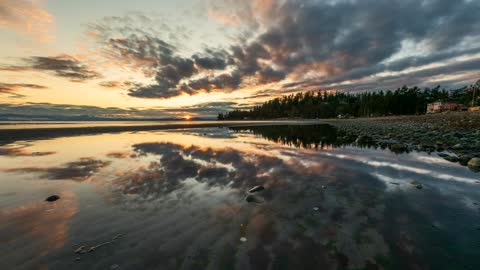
304 44
22 152
27 17
14 87
65 66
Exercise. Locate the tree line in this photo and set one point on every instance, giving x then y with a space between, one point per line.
323 104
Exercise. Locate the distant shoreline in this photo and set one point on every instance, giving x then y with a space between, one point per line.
8 135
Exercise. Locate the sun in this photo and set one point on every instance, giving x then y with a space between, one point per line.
187 117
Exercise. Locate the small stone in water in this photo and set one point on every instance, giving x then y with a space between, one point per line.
256 189
243 239
315 208
52 198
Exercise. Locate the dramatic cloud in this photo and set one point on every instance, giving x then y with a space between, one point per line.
305 45
26 16
63 66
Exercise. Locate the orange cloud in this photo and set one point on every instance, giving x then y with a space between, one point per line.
26 17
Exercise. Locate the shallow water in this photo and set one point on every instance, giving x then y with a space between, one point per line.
176 200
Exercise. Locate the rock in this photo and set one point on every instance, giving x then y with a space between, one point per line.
395 183
243 239
254 199
419 186
457 146
52 198
398 148
114 266
451 158
464 159
474 164
324 187
315 208
77 259
256 189
443 155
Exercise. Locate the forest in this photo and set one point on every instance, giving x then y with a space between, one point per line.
324 104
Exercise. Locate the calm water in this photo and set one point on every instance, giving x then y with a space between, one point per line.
176 200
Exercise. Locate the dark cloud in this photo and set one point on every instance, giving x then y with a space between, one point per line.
269 75
337 40
63 66
212 60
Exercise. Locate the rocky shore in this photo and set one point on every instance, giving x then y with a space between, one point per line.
455 136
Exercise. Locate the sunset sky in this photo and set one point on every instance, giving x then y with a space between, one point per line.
145 58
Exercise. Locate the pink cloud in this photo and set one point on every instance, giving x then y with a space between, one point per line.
26 17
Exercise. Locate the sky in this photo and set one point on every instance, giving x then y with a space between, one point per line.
197 58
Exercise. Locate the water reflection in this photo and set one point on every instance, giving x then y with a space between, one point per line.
180 196
76 170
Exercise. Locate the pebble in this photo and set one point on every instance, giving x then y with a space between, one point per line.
114 266
52 198
316 208
243 239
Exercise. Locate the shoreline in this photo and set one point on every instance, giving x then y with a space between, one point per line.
8 135
455 136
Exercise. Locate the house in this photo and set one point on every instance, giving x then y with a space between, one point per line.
442 106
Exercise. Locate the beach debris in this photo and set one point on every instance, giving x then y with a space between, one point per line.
243 239
256 189
80 249
254 199
117 236
85 249
52 198
114 266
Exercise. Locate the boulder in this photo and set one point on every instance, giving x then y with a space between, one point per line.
474 164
